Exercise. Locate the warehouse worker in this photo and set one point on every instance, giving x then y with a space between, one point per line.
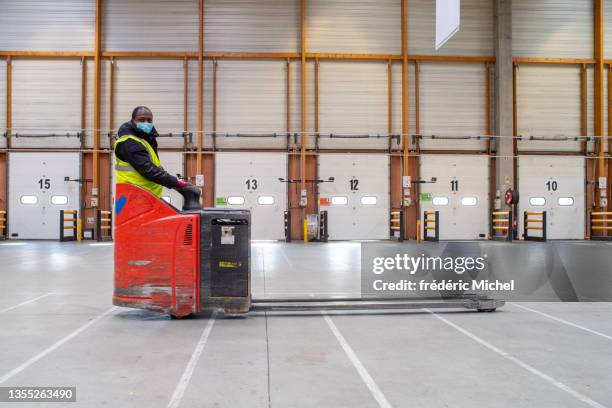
136 159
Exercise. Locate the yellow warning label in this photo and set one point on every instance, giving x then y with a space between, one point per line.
229 264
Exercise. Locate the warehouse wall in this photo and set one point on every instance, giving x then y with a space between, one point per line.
192 102
295 92
548 104
396 99
251 99
353 101
359 27
590 106
157 84
157 25
251 93
546 28
549 95
475 37
105 127
47 25
46 99
552 28
2 103
453 103
251 25
607 32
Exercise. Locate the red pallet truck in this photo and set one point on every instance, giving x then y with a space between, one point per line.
183 262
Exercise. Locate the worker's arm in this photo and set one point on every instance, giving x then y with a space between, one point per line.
138 156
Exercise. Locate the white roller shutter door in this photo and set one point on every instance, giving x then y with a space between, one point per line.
357 201
38 191
555 184
250 180
460 194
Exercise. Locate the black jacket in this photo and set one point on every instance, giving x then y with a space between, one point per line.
137 155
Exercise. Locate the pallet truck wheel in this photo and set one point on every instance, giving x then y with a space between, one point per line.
174 317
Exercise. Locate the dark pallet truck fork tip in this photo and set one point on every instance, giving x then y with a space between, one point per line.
184 262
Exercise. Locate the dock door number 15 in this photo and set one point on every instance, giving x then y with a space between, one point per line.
44 183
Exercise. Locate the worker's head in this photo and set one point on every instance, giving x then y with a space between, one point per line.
142 118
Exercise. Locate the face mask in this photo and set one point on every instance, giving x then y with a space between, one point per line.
145 127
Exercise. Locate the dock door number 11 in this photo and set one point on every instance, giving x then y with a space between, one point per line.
454 185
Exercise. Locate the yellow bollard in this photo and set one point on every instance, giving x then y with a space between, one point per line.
418 232
78 230
305 230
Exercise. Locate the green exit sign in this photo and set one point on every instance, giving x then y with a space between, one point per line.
425 197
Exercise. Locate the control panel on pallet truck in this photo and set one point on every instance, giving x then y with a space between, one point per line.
183 262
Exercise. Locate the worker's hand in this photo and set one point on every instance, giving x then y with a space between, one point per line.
191 197
182 184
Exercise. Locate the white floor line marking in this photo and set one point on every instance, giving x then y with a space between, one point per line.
365 376
287 260
55 346
183 383
562 321
26 302
520 363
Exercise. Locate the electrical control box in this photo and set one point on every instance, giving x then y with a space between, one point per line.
303 198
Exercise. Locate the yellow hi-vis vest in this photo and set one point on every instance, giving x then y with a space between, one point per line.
125 173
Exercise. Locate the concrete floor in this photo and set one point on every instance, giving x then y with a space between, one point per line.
58 327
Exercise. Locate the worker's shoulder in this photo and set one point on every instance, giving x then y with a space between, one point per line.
129 142
129 138
122 137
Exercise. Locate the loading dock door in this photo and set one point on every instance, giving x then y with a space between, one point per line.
38 192
460 194
357 202
250 180
554 184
